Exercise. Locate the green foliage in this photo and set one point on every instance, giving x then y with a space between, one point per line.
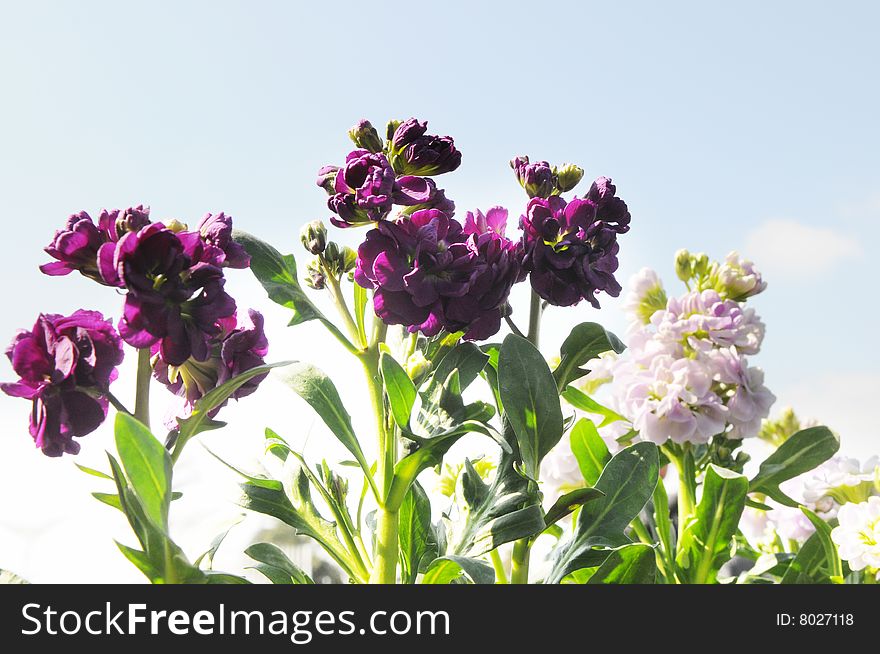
273 564
419 542
706 542
630 564
530 399
585 342
801 453
589 449
628 481
450 569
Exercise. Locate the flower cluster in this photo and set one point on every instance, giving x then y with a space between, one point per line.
237 349
175 304
685 376
857 535
571 247
376 176
428 272
66 365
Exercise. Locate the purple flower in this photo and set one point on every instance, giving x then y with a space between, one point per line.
417 193
429 274
538 179
609 209
174 296
115 223
570 254
361 190
75 247
413 152
235 350
216 232
65 365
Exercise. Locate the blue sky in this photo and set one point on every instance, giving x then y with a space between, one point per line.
749 126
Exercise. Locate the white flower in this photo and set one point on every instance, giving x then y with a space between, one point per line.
738 278
858 534
841 479
645 296
560 471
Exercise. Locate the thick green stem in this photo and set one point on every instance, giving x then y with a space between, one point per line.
519 562
385 565
142 389
498 564
535 311
687 501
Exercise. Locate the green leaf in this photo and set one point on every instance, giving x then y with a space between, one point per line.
585 342
810 566
293 505
447 569
277 275
530 400
316 388
93 472
110 499
823 531
799 454
628 482
567 503
142 562
399 388
207 557
466 358
147 466
630 564
275 565
705 542
584 402
502 511
418 541
199 420
589 449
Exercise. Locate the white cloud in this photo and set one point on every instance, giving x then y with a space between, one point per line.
788 248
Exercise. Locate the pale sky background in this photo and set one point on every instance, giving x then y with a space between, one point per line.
750 126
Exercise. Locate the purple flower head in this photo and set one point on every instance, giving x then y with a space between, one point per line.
115 223
174 296
75 247
65 365
327 178
216 232
494 220
538 179
569 253
417 193
413 152
361 189
609 209
236 349
429 275
365 136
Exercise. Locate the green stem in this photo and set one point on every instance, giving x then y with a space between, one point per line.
687 501
498 564
341 306
535 311
385 565
664 529
142 388
119 406
519 562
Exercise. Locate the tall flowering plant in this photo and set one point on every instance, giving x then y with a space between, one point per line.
578 449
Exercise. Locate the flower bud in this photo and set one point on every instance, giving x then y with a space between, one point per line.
365 136
176 226
315 278
683 265
701 264
391 127
736 279
568 176
327 178
314 236
417 366
538 179
339 259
